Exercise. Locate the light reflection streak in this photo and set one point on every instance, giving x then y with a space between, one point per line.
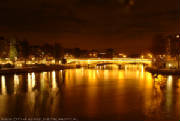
44 77
169 92
16 82
120 75
92 75
149 83
149 76
169 82
106 74
137 74
142 72
3 85
54 84
31 81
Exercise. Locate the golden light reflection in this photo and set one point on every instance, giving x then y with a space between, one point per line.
31 81
179 84
92 75
134 71
44 78
149 76
159 78
120 75
142 72
137 73
149 83
126 69
3 85
54 84
169 92
16 82
169 82
178 99
106 74
142 68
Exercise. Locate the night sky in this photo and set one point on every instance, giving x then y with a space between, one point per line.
125 24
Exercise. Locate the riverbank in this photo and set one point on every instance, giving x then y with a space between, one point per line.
21 70
163 71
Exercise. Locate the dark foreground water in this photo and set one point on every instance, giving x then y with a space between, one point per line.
91 94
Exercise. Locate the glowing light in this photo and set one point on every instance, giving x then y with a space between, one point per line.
150 55
170 65
178 36
114 60
124 56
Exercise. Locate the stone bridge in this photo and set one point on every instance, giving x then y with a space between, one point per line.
106 61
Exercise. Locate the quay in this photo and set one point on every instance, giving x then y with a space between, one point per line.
163 71
21 70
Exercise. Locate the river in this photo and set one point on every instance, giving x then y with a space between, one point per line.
104 93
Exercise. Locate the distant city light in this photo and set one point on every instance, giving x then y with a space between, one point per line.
124 56
177 36
150 55
170 65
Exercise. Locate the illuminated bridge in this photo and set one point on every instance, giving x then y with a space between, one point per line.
106 61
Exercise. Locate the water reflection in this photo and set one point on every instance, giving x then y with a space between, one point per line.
3 86
54 85
106 93
11 84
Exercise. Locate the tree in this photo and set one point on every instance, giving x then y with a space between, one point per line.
77 52
4 47
48 49
175 48
58 52
13 50
109 52
159 45
25 50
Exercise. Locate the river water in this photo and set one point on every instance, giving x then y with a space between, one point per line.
104 93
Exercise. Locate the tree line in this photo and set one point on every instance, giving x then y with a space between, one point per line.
16 49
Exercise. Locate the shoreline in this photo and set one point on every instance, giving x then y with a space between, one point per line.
23 70
163 71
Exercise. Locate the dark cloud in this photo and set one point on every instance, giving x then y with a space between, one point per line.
116 23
